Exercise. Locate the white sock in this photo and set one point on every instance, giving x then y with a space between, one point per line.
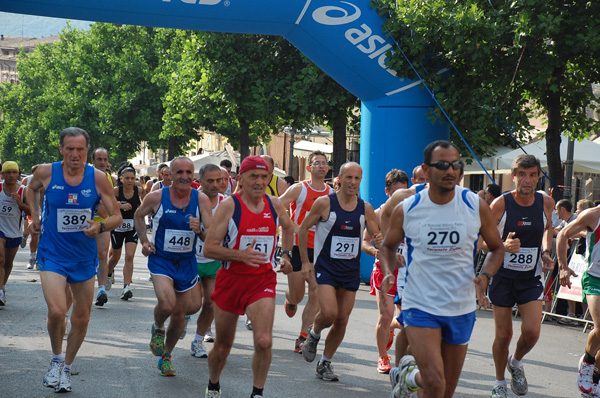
33 256
67 367
500 383
514 363
410 378
60 357
315 335
199 337
101 288
323 359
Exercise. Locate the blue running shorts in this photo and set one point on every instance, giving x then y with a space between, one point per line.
183 272
456 330
74 271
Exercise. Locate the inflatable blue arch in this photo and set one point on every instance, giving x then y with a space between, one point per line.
342 37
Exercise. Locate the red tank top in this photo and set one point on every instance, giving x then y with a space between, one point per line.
245 227
302 206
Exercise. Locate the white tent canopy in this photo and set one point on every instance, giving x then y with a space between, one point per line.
586 155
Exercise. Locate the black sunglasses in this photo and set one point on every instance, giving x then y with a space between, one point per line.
443 165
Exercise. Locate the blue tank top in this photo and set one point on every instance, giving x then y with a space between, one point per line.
172 236
528 223
65 211
338 240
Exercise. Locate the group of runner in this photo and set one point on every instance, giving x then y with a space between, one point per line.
213 249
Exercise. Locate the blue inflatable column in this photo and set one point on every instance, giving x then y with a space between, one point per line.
393 135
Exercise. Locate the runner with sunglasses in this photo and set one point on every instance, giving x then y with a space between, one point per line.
441 224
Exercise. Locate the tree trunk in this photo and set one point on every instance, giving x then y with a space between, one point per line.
173 148
339 124
553 143
244 138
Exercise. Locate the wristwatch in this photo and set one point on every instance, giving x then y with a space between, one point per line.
102 227
489 276
288 252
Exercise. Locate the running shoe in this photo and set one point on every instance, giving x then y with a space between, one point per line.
518 382
500 391
126 294
402 389
186 321
198 349
569 322
101 298
52 376
2 298
31 264
325 371
394 376
309 348
109 283
390 341
383 365
24 241
165 366
208 336
64 382
290 309
299 343
212 393
248 323
157 342
585 380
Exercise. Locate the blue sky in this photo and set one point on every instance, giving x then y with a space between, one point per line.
34 26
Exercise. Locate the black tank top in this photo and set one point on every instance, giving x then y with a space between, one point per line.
134 202
528 225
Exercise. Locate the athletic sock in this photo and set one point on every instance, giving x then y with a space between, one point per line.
60 357
500 383
67 367
256 391
411 378
315 335
199 337
323 359
514 363
589 359
213 387
101 288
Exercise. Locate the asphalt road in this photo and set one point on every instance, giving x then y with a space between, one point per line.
115 361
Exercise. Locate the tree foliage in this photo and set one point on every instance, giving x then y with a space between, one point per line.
508 61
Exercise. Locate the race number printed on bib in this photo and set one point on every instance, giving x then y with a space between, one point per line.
126 226
524 260
443 238
73 220
343 247
6 208
177 241
264 244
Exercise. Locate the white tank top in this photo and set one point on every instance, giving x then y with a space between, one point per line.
441 242
11 220
200 243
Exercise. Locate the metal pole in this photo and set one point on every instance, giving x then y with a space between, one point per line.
291 163
569 170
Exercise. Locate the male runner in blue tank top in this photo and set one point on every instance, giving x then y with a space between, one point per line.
441 225
72 193
524 221
340 219
178 211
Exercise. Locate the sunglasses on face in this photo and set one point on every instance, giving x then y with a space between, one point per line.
443 165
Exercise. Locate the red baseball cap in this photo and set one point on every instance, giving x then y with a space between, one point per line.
253 163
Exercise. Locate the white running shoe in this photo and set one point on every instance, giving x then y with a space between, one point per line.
402 389
585 378
24 241
126 294
500 391
52 377
518 382
2 298
198 349
64 382
31 264
208 336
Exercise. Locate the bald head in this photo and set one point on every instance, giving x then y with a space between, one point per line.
270 163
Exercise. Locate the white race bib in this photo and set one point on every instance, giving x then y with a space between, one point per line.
524 260
177 241
264 244
72 220
6 208
126 226
343 247
443 238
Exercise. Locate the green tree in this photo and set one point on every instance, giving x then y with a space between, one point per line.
508 62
